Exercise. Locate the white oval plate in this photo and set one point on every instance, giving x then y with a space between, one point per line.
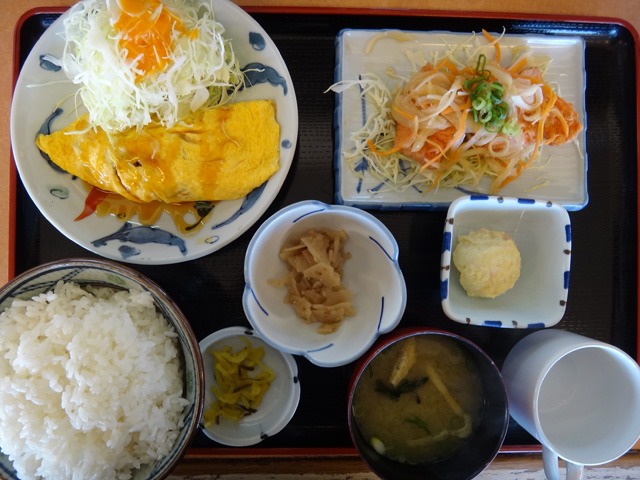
60 197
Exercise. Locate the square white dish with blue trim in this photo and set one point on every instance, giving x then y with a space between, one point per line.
559 174
541 231
372 274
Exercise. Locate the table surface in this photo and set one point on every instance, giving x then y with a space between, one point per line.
506 465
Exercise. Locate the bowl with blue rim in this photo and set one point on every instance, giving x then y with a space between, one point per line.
87 273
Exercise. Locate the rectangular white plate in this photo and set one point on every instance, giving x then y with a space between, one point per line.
563 169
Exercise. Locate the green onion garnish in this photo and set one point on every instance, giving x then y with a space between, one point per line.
487 101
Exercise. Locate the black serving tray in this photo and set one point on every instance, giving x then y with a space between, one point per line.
603 288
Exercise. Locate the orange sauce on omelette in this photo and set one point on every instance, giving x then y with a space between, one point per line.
185 215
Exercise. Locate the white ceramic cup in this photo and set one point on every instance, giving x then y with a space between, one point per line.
579 397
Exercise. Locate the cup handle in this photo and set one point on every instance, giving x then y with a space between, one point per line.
552 471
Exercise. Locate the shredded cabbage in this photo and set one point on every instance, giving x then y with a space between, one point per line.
202 70
397 171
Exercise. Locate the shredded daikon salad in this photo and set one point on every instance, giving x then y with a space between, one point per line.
459 118
148 61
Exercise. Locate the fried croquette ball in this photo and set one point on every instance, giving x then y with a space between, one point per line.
488 262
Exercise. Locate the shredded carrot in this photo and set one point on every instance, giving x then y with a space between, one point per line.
510 179
517 66
563 121
543 117
373 148
435 182
455 138
495 44
452 160
447 110
403 113
433 160
448 64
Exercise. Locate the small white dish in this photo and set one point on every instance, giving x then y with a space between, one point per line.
389 53
372 274
278 404
542 233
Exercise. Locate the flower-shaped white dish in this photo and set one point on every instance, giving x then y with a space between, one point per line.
542 233
60 197
279 403
372 274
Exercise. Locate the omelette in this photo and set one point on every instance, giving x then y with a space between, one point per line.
217 154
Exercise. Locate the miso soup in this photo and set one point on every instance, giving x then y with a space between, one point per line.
419 400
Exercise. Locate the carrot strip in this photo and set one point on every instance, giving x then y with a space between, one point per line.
510 179
543 117
563 121
427 164
448 64
435 182
373 148
452 160
403 113
455 138
463 126
495 44
517 66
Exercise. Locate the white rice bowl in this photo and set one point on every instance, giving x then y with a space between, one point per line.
90 383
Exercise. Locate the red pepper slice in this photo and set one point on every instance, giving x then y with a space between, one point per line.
95 197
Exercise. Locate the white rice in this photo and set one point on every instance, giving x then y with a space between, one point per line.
90 383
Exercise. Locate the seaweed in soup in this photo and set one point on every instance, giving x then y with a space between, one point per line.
420 401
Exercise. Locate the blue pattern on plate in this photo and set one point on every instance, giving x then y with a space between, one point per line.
479 197
308 213
253 293
444 289
60 192
257 41
45 129
49 62
247 203
493 323
320 349
143 234
361 167
446 242
381 314
127 251
381 248
256 73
